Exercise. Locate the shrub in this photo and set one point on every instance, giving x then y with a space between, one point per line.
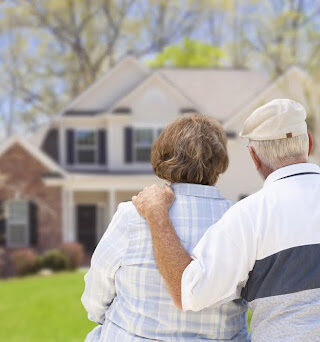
54 260
25 261
73 251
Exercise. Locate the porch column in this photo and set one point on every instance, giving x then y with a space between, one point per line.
64 213
112 203
71 216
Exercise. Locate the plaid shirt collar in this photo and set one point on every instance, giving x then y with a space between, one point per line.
197 190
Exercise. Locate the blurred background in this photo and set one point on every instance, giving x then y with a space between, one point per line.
85 89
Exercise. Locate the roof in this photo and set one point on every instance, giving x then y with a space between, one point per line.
218 92
293 74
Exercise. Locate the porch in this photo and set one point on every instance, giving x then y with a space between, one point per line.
90 201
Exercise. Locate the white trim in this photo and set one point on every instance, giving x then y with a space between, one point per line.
64 204
156 76
112 203
102 220
33 150
70 230
62 145
94 182
98 83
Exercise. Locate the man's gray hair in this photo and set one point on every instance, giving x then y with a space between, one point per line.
281 152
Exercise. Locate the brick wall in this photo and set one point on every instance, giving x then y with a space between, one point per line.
21 178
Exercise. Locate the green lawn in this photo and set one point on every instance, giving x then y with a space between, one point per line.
46 309
43 309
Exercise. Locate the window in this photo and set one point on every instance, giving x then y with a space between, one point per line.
143 139
18 223
86 147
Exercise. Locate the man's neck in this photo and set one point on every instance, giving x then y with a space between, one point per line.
266 170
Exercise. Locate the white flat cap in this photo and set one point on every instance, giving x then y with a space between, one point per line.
278 119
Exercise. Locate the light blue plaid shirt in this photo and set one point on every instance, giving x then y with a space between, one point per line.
124 292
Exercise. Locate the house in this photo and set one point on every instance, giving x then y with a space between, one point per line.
65 182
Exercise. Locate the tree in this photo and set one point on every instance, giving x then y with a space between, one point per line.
66 45
190 53
280 37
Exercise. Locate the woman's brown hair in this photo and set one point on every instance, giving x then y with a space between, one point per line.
191 149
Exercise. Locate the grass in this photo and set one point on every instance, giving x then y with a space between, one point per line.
46 309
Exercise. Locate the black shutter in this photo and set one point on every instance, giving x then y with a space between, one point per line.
2 224
102 146
70 146
33 224
51 144
128 136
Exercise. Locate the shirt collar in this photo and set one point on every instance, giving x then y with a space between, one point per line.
291 170
198 190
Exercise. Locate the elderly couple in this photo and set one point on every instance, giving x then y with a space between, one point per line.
182 263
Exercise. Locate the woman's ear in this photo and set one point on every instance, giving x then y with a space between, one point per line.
255 158
310 143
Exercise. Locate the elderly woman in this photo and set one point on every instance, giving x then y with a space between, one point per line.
124 291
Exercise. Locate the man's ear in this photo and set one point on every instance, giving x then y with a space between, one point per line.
310 143
255 158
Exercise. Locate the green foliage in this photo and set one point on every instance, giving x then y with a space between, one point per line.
43 309
190 53
54 260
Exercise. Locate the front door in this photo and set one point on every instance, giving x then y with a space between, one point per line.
87 226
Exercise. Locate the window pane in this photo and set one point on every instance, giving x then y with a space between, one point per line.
143 136
85 138
86 156
143 154
18 211
18 234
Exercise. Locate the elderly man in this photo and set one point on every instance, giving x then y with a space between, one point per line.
266 248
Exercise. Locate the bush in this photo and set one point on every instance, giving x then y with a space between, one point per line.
25 261
73 251
54 260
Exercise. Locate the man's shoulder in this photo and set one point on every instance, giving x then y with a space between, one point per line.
248 204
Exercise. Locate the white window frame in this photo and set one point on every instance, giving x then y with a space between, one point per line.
16 221
136 145
83 148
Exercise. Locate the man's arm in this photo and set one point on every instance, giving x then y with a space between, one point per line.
220 263
171 258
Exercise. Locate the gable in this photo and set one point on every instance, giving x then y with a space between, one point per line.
16 161
155 99
29 151
294 84
110 88
218 92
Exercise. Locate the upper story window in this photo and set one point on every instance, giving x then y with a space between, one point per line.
86 147
18 223
143 139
